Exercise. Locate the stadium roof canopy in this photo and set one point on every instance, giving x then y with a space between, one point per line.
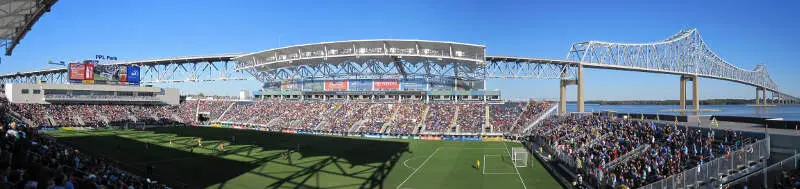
16 19
382 50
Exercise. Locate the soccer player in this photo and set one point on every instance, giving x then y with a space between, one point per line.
478 164
222 147
200 141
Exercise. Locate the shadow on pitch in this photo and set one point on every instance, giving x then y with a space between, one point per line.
193 170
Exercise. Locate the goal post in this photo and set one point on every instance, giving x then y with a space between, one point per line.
519 157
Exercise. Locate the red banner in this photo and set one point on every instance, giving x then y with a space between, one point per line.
386 84
336 85
77 71
89 72
289 131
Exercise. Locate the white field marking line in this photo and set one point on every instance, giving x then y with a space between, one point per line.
418 168
475 148
486 163
483 171
500 173
515 167
406 161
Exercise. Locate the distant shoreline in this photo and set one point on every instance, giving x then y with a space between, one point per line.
670 102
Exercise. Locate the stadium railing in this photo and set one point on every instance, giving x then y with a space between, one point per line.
547 113
741 162
773 173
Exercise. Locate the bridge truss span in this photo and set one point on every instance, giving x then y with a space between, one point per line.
684 53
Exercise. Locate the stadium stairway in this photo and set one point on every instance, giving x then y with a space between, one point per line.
226 111
174 116
487 121
328 114
78 119
627 156
24 119
356 126
454 122
424 118
50 120
133 118
390 122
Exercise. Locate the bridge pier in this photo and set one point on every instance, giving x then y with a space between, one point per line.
683 93
580 88
764 94
695 92
562 104
757 100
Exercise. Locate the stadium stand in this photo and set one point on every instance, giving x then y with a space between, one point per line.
33 160
632 153
354 116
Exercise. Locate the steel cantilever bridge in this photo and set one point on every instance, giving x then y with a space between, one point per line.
684 54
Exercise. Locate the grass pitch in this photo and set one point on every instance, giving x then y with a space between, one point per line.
254 159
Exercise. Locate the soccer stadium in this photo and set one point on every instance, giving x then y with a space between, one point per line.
381 113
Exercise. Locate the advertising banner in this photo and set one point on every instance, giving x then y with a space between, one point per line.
414 84
370 136
291 85
312 85
90 71
123 74
133 74
471 139
386 84
441 84
77 71
389 137
292 131
360 84
272 86
493 139
336 85
469 85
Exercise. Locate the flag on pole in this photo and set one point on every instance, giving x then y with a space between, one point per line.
699 123
714 122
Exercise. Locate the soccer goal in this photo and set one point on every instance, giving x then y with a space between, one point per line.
519 156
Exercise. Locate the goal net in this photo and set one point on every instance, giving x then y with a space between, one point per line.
519 156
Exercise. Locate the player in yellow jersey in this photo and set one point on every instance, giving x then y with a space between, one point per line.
478 164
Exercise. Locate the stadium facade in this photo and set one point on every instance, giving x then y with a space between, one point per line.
372 69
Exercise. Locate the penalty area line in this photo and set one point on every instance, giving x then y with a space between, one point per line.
418 168
406 161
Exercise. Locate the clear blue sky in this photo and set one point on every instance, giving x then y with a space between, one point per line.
744 33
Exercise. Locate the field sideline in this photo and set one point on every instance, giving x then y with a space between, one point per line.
254 159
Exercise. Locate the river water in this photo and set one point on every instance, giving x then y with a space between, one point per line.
787 112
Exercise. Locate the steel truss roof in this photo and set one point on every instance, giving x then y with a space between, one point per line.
16 19
682 54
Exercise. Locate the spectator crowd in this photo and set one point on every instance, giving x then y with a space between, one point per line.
655 151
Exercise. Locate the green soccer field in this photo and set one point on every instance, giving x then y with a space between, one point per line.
253 159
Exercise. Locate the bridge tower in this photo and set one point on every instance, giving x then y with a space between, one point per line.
564 82
695 93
